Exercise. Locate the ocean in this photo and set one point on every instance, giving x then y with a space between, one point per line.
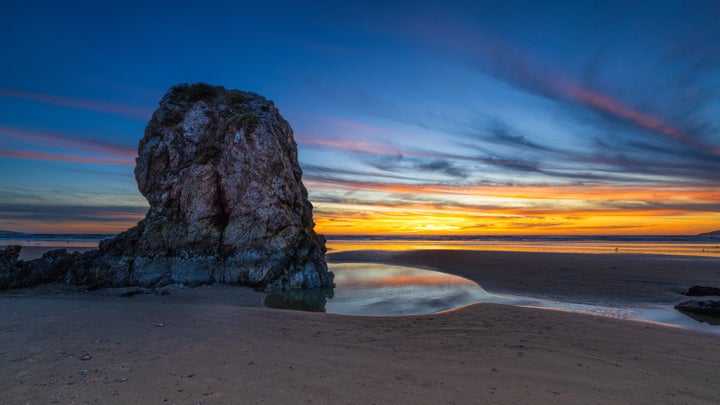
708 246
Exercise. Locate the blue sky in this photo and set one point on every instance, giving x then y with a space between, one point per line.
411 116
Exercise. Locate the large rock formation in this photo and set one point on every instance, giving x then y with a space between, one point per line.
227 205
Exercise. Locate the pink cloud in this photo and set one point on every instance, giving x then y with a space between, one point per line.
349 145
19 154
69 142
136 113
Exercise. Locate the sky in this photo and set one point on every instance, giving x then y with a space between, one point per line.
411 117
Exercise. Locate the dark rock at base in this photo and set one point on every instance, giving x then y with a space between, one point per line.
9 256
699 291
52 267
706 308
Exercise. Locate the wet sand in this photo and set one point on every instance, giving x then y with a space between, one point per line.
219 345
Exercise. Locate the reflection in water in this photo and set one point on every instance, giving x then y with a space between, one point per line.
372 289
701 318
383 290
311 300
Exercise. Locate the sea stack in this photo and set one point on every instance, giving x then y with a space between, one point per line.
227 204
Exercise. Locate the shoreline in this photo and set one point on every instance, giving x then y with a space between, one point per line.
217 344
584 278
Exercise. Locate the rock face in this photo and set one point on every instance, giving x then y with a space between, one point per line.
227 205
9 257
52 267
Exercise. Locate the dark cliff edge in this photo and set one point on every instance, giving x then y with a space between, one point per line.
227 205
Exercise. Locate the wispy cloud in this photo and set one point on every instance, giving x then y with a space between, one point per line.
70 213
54 218
123 110
69 142
20 154
528 72
347 144
533 191
94 151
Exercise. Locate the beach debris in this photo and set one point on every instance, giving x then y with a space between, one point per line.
86 357
159 324
700 291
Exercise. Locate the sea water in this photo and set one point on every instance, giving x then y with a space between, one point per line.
371 289
707 246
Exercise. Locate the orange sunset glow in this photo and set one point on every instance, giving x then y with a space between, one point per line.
514 210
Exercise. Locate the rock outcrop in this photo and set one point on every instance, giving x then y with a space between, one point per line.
707 308
9 257
701 291
227 205
52 267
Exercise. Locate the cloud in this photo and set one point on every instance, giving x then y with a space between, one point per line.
69 142
98 151
595 194
441 166
372 147
126 111
519 68
501 132
20 154
72 213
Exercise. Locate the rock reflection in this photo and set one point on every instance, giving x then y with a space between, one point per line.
311 300
376 289
710 320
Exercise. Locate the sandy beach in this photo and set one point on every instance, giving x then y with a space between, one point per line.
220 345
